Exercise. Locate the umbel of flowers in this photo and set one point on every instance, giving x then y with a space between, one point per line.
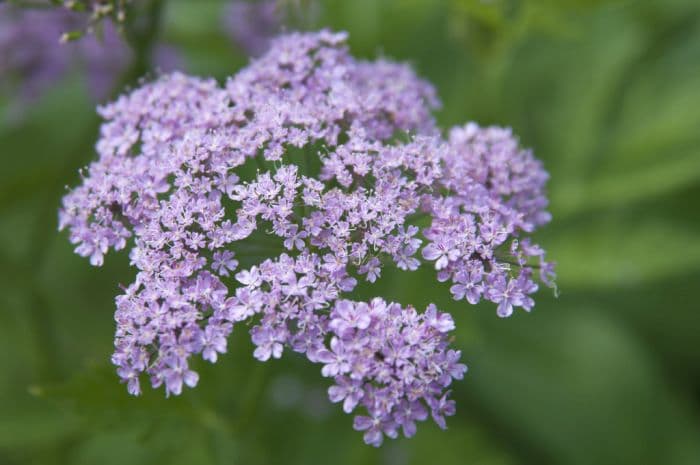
267 199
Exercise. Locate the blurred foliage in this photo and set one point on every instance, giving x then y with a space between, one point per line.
608 95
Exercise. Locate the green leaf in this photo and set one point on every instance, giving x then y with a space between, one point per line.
571 385
622 252
38 428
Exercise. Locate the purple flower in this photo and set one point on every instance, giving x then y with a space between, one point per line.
375 428
175 374
169 183
253 24
348 391
393 366
244 305
347 316
267 344
223 262
407 414
440 408
372 269
336 360
442 322
295 238
131 377
467 285
34 57
442 253
505 293
213 342
250 278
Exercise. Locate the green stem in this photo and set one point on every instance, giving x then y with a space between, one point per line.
260 161
253 396
536 267
141 31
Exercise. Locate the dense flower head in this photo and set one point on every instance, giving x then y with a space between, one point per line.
267 199
391 361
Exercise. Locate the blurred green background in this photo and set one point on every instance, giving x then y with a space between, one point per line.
608 95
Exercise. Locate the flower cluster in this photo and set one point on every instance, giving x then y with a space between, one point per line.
267 199
252 25
34 57
392 361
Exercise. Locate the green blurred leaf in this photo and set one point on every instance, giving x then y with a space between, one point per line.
621 251
36 428
632 185
573 386
48 145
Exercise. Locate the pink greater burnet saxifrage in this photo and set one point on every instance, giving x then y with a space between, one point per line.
265 201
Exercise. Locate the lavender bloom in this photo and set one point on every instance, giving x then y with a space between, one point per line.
253 24
393 366
173 182
34 57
